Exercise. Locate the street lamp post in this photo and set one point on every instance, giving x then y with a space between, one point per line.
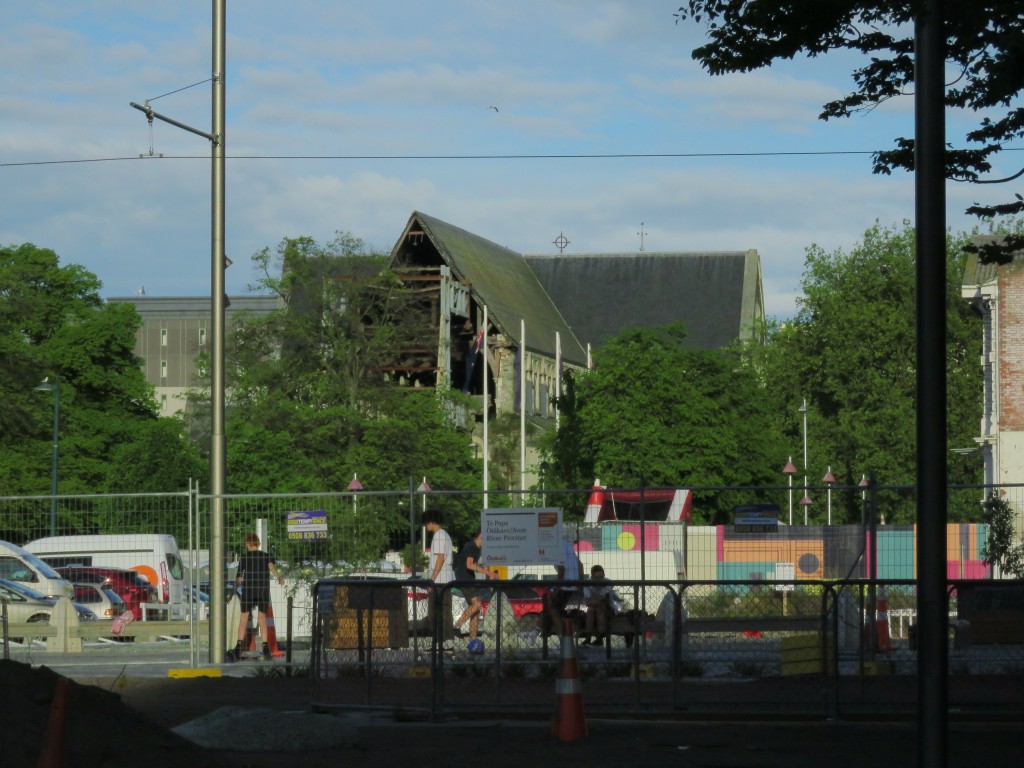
54 386
805 502
828 479
790 470
424 489
355 486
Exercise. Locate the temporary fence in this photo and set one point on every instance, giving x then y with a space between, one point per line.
811 649
697 590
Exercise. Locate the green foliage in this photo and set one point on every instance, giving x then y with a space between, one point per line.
311 402
656 413
54 324
851 353
983 40
1003 547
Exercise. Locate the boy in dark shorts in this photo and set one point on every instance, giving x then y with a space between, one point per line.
253 576
467 565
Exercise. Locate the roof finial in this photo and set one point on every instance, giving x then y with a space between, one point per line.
560 242
642 234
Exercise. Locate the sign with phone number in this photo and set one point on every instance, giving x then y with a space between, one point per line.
307 525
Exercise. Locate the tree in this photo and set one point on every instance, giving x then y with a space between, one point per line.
850 352
1003 548
313 399
54 324
984 48
654 412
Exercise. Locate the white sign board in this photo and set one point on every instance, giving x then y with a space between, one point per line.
520 536
784 572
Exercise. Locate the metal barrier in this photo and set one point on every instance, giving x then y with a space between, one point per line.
819 649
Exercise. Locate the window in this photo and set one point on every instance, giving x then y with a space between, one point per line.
163 337
163 402
163 369
202 337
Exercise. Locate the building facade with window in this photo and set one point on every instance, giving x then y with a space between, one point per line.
175 332
996 293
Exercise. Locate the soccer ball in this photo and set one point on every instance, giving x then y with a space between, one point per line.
475 646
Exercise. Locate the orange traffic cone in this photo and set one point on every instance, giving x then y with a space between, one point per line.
569 723
271 637
52 755
882 620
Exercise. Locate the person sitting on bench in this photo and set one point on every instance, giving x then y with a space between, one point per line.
602 603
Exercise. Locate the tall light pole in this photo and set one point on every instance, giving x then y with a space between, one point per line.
218 305
828 479
53 386
789 470
805 502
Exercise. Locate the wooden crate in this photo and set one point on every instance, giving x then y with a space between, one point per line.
801 655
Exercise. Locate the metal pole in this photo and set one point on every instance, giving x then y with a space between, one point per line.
803 410
218 453
487 447
53 461
522 413
930 248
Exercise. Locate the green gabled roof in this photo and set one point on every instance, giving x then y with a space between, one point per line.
717 295
501 279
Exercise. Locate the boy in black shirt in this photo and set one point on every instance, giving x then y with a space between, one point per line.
253 576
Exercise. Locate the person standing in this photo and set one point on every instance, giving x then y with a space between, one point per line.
558 598
253 577
467 566
441 572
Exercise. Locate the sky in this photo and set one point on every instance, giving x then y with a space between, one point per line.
516 121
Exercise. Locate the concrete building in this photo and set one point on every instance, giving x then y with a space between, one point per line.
175 332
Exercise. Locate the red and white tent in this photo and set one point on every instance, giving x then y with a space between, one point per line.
671 505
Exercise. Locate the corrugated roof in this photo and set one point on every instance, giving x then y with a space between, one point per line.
977 273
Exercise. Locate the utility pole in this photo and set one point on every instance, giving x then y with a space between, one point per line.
218 303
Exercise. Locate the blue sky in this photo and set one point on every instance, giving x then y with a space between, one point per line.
396 78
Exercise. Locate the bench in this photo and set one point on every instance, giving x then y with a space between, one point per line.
627 625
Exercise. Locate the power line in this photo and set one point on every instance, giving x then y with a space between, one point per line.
593 156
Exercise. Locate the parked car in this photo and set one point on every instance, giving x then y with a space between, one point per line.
130 586
26 606
101 600
23 608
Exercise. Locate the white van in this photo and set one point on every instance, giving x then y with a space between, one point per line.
152 555
17 564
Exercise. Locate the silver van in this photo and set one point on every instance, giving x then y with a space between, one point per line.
20 565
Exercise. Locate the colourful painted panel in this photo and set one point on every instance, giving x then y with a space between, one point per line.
745 571
626 537
896 552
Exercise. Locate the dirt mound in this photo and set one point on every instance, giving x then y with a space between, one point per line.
98 729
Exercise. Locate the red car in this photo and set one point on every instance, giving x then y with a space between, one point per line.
129 585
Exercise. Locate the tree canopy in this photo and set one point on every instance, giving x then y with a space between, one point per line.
313 399
655 412
984 50
850 352
53 324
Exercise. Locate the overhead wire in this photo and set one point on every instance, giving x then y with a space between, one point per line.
553 156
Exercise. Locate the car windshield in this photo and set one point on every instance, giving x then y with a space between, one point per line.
39 565
26 591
